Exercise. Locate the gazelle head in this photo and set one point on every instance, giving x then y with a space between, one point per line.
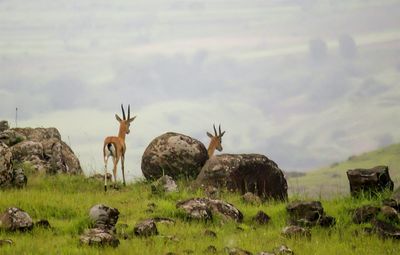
216 139
125 122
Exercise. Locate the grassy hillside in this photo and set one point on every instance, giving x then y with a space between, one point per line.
332 181
65 202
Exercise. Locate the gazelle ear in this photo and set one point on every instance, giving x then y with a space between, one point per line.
210 135
118 118
131 119
222 134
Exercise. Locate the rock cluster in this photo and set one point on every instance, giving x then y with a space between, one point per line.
103 233
382 219
203 209
104 217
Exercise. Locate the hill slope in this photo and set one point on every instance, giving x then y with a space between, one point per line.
331 181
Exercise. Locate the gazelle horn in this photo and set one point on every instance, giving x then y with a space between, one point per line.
123 112
215 130
129 111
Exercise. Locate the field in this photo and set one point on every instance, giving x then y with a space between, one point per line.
332 181
66 200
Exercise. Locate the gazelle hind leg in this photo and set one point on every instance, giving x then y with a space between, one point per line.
123 169
105 172
115 161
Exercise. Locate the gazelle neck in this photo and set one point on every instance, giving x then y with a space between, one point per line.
122 132
211 149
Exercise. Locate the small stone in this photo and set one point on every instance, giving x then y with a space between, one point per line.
305 212
240 229
98 237
210 249
145 228
164 220
389 213
251 198
6 242
296 231
164 184
173 238
365 214
237 251
100 177
283 250
327 221
210 233
151 206
392 203
261 218
43 224
386 230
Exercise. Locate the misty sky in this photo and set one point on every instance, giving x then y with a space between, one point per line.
307 83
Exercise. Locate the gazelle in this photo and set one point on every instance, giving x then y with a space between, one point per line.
114 146
216 141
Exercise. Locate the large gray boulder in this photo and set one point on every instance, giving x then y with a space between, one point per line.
244 173
42 148
373 180
175 155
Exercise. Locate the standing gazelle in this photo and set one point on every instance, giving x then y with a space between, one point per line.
216 141
115 147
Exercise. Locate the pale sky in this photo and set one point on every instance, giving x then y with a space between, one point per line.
306 83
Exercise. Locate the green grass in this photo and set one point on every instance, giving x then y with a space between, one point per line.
66 200
332 181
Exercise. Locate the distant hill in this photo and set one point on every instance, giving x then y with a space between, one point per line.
331 181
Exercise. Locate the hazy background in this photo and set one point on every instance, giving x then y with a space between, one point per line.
306 83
